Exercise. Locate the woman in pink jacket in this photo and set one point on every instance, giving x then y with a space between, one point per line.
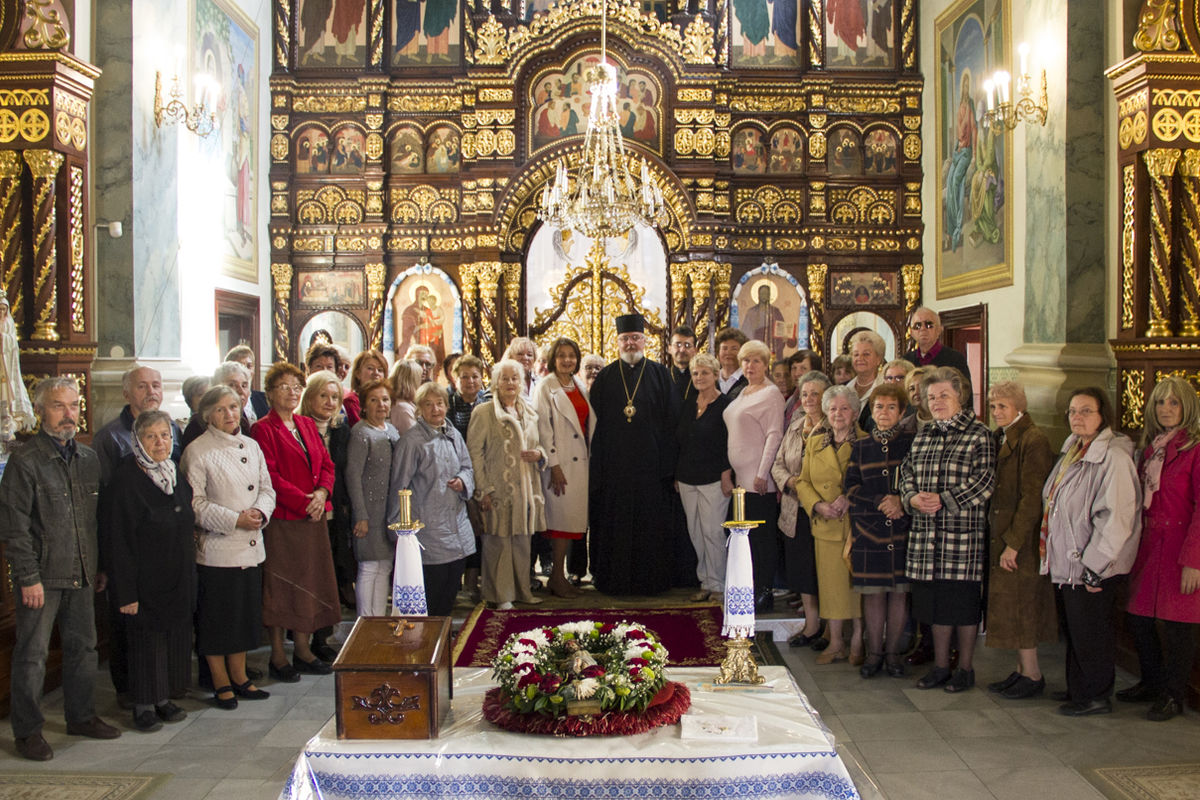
1166 575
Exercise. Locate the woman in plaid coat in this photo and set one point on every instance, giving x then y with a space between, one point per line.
945 483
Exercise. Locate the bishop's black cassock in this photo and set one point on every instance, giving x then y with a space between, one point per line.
632 465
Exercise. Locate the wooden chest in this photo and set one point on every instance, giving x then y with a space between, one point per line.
394 682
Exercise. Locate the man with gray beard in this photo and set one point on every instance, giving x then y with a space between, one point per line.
48 501
632 465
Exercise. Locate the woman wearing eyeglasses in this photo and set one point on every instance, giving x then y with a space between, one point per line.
1089 539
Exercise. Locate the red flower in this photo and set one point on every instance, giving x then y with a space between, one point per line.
527 642
638 662
635 634
523 668
607 628
550 684
528 679
593 671
549 633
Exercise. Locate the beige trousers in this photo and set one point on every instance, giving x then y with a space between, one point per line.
506 568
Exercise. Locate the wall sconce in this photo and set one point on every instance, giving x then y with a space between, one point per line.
1003 113
198 120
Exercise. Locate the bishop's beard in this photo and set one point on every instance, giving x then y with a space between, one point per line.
631 358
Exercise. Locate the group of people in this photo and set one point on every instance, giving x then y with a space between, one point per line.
883 497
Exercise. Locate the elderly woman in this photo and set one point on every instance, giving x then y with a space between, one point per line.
897 371
368 472
432 460
703 476
819 489
1166 574
321 402
800 363
592 364
799 549
406 377
506 455
193 389
879 529
151 567
566 422
868 351
781 376
236 377
299 586
1089 539
754 420
1020 606
424 357
468 395
945 483
524 352
233 498
369 365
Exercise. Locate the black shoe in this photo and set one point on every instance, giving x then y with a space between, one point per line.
286 674
34 747
1000 686
1023 688
871 666
314 667
147 722
764 602
244 690
820 645
323 652
254 674
960 681
1061 696
1101 705
895 666
227 703
1140 693
94 728
169 712
934 678
803 640
1164 708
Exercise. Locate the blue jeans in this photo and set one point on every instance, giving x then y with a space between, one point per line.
73 609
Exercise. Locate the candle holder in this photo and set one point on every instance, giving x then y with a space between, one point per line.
738 666
406 522
1003 111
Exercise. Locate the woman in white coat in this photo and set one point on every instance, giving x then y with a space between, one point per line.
565 425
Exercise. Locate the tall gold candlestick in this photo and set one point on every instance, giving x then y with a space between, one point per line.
406 507
739 504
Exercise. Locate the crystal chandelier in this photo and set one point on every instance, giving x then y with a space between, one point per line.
606 199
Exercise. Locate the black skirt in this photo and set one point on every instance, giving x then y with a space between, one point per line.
228 609
947 602
800 558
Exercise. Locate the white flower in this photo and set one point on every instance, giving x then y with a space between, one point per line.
586 688
579 629
538 637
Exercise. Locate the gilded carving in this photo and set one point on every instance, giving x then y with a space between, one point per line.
912 122
324 104
912 147
374 121
1186 98
76 236
494 95
694 95
560 15
683 141
1167 124
862 205
864 105
48 30
705 141
283 35
1128 229
1189 251
769 204
908 33
506 142
374 146
722 144
1133 398
376 288
424 203
281 277
816 144
425 102
279 147
816 34
25 97
44 164
912 285
492 41
767 103
279 122
11 248
1158 27
1160 164
485 143
816 299
698 42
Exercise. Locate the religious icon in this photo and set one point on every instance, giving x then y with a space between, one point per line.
879 152
426 32
560 103
443 153
765 34
844 156
347 157
312 152
765 322
859 34
786 147
423 320
337 25
407 153
747 155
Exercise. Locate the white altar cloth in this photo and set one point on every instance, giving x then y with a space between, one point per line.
793 758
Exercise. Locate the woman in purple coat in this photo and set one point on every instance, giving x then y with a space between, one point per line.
1166 574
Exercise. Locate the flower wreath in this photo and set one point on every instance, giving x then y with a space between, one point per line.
619 666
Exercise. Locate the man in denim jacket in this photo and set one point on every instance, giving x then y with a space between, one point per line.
48 501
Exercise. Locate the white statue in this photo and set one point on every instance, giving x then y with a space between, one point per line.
16 412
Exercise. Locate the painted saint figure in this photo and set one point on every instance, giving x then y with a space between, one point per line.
16 412
954 195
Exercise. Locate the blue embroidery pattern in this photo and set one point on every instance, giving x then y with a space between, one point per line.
739 600
494 787
409 600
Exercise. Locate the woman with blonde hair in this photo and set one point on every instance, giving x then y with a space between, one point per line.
868 352
502 439
1020 606
1166 576
369 365
524 352
406 377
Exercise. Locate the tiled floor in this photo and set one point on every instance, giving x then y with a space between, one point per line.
898 742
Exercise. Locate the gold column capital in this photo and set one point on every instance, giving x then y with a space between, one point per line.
10 164
43 163
281 275
376 273
1189 166
1160 162
912 285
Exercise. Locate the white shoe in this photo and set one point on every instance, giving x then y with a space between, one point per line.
504 607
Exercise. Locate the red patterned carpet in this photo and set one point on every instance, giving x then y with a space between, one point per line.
692 633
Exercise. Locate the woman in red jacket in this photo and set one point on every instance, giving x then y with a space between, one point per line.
1166 575
299 587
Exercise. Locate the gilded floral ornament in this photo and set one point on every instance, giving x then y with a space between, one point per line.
492 42
1158 29
698 42
47 31
627 12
